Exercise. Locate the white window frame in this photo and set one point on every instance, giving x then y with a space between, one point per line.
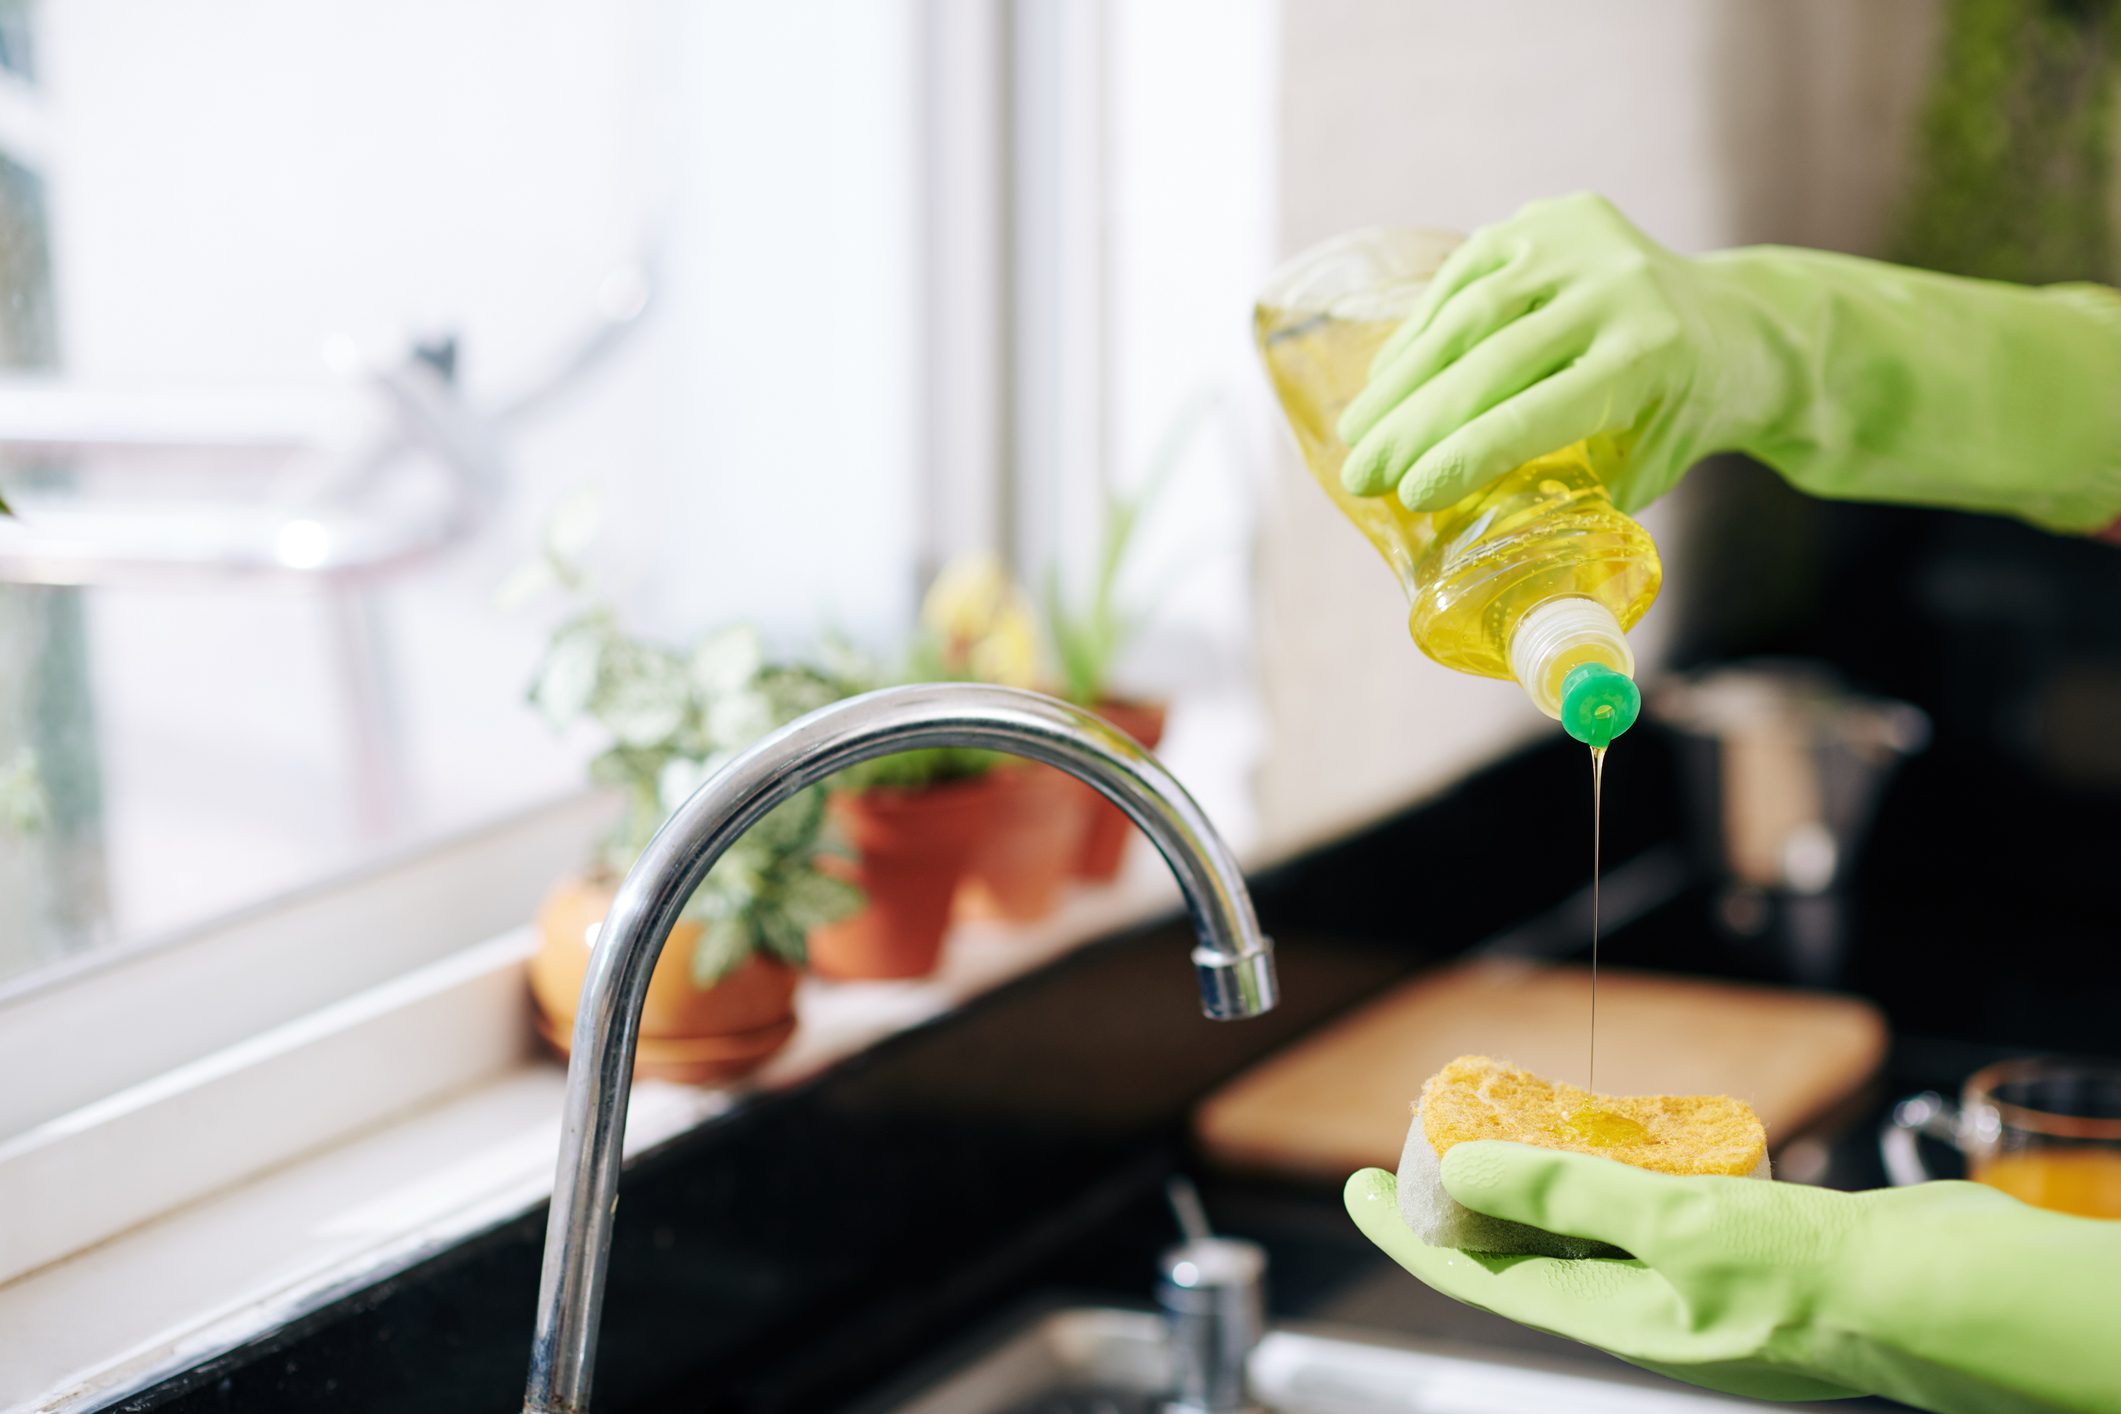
966 332
362 989
1060 447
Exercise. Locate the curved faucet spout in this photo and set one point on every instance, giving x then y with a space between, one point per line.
1235 963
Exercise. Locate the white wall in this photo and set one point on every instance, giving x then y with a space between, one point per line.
1712 122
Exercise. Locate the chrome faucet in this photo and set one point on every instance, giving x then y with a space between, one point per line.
1234 961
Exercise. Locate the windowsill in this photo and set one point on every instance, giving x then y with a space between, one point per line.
172 1292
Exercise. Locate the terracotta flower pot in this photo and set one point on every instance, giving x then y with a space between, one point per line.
1105 841
688 1032
1024 862
913 847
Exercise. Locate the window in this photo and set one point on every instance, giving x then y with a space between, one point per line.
312 317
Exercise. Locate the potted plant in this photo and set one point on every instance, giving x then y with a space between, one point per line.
721 997
976 624
914 820
1089 638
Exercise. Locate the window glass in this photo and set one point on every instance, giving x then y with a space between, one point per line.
309 318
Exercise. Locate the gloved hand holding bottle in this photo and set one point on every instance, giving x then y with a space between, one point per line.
1854 379
1533 576
1948 1296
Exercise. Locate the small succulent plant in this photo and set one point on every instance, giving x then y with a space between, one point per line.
670 717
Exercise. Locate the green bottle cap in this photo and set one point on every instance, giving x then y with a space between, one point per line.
1598 704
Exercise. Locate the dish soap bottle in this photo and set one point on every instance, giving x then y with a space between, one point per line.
1536 576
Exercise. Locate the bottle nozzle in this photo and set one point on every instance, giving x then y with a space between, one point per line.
1574 662
1598 703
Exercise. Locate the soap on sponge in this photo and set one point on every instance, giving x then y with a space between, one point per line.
1477 1098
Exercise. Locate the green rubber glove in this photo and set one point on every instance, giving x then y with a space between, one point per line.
1948 1296
1856 380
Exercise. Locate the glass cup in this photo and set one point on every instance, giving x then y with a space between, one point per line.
2045 1131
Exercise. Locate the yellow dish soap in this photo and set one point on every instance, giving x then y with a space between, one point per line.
1536 576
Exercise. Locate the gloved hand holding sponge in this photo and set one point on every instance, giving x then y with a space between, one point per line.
1948 1296
1854 379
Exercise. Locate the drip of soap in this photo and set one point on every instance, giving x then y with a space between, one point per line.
1601 1128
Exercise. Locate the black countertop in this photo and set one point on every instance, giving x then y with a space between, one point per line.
817 1243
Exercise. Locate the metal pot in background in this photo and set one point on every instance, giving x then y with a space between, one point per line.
1781 769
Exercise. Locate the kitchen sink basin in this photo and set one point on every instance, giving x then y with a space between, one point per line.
1094 1360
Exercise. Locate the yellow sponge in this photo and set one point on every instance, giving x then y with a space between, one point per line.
1475 1097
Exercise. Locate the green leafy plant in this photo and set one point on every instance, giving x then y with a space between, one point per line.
1090 635
671 717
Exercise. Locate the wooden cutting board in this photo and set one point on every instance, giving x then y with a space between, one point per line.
1341 1100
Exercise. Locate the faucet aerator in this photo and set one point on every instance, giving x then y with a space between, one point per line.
1240 988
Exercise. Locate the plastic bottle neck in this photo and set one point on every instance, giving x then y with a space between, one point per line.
1573 660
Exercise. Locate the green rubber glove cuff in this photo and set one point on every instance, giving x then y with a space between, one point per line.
1908 386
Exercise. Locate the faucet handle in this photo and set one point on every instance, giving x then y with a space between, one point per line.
1213 1294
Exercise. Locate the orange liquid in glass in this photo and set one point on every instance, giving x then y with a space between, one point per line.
2086 1182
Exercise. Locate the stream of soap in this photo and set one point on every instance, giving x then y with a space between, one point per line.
1597 824
1591 1124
